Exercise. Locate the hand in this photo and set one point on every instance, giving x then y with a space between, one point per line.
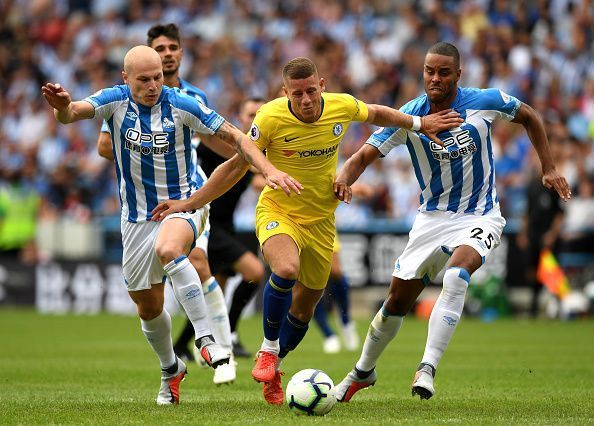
286 182
343 192
553 180
56 96
165 208
432 124
548 240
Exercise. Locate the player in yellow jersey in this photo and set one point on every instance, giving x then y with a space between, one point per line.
301 134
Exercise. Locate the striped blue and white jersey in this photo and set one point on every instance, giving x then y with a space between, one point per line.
459 177
152 145
191 90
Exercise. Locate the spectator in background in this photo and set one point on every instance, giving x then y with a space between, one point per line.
19 209
541 224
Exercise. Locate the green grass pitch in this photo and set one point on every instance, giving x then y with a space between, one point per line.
100 370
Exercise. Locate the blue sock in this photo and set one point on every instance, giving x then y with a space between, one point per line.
321 318
340 290
276 304
292 332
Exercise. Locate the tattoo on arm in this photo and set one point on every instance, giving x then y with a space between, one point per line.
230 134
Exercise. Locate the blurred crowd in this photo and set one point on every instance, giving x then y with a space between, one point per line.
540 51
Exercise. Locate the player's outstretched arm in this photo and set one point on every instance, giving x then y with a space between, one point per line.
551 178
213 143
250 153
104 146
430 125
65 110
220 181
351 170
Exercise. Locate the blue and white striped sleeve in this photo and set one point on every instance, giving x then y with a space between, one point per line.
105 127
386 138
105 101
196 115
497 100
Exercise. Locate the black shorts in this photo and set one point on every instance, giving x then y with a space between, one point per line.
224 249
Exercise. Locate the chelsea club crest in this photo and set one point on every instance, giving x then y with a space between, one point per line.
271 225
337 129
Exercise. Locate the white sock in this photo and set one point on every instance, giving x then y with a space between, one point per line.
158 334
272 346
382 330
218 316
446 314
188 291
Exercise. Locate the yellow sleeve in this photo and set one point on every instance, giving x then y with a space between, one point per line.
360 111
259 132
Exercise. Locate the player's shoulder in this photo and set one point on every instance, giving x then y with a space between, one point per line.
119 90
485 99
340 101
417 106
178 98
345 98
193 91
108 95
275 106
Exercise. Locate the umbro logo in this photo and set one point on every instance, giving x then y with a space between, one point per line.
168 124
290 139
449 320
131 115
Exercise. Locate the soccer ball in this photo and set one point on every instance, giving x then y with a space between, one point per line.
311 392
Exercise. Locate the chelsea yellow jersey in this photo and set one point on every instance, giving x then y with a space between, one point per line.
306 151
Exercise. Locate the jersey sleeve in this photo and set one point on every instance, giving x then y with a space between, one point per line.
197 115
497 100
258 132
386 138
105 101
201 97
105 127
360 110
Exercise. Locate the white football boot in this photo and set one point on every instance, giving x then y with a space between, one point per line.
215 354
422 384
352 384
169 392
225 373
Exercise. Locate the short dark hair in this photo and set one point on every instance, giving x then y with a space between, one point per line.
256 99
299 68
170 31
446 49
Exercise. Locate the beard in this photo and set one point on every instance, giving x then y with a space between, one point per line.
442 96
169 72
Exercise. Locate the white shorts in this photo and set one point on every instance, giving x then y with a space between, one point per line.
202 240
436 234
140 264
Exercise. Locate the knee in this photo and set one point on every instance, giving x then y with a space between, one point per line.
149 311
287 271
455 282
303 316
167 252
397 306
